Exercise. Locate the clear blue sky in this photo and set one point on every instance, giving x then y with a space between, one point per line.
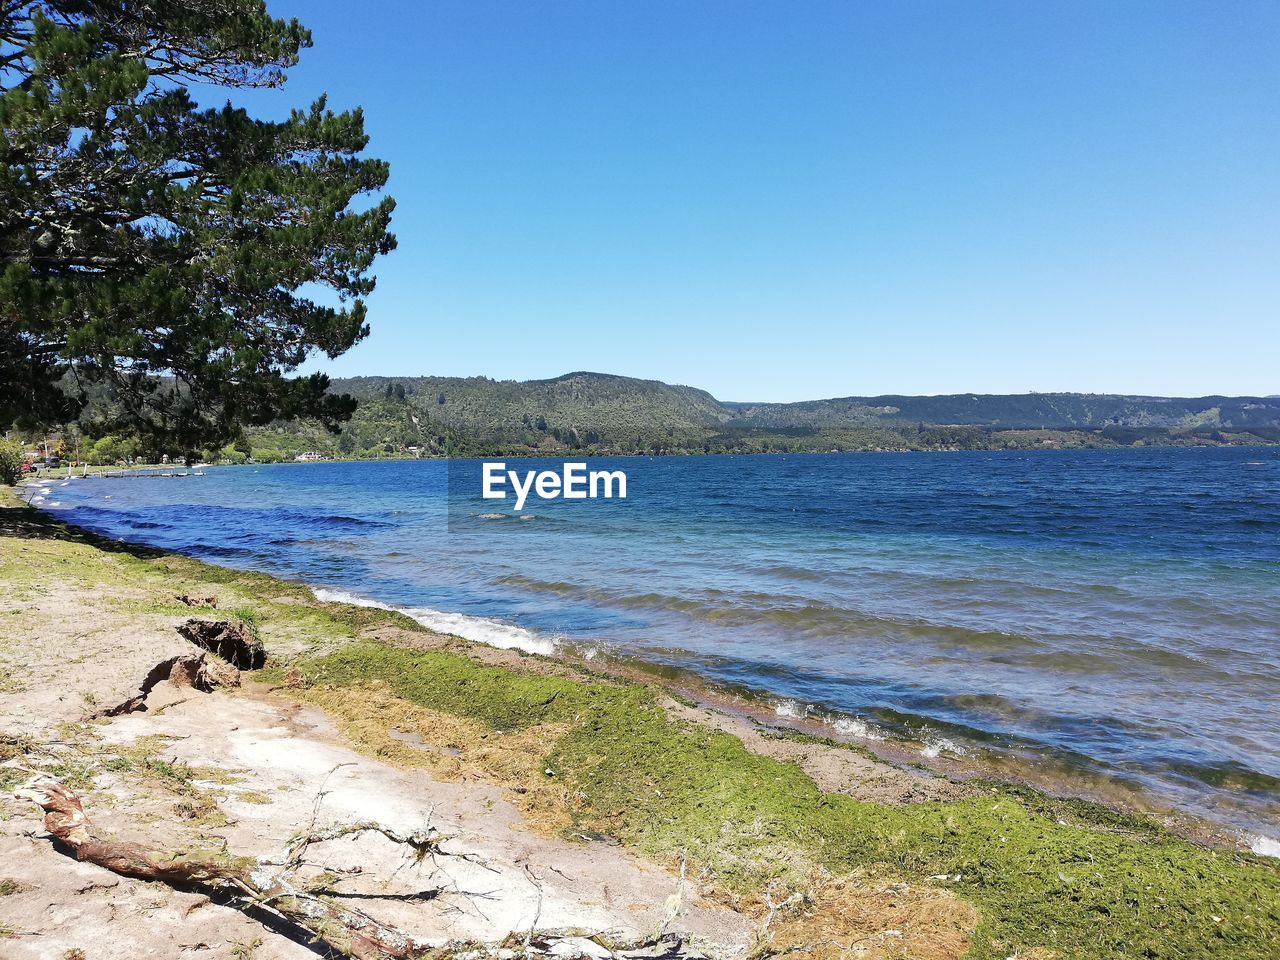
789 200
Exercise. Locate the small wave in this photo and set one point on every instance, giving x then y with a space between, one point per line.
791 709
839 723
325 521
493 633
325 595
559 587
853 727
1265 846
935 748
222 550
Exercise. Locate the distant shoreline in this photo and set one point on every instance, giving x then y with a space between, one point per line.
592 454
103 470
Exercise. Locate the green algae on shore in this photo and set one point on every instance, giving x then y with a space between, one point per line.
1102 886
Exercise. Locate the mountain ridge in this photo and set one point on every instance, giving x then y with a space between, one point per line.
611 414
1050 410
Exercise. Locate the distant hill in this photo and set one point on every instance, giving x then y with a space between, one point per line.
583 400
1055 411
604 413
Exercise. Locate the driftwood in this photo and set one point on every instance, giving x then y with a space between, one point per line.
232 640
304 916
64 817
309 918
192 670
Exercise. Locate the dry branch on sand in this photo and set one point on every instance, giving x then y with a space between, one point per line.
425 843
305 916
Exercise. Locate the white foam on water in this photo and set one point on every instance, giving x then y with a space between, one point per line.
1265 846
791 708
936 748
325 595
853 727
493 633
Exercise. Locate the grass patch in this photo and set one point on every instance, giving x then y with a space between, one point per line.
1103 886
12 747
202 810
143 760
76 774
502 698
249 616
245 949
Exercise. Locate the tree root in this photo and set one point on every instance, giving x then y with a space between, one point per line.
232 640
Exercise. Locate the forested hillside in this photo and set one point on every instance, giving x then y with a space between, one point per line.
602 413
1061 411
585 402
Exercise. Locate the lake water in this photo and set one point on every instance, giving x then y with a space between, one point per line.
1116 612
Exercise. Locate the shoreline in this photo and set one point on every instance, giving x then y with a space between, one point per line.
971 760
773 841
589 455
569 454
767 710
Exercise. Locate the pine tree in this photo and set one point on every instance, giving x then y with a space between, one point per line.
157 252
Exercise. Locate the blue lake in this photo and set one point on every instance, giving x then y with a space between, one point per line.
1113 611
